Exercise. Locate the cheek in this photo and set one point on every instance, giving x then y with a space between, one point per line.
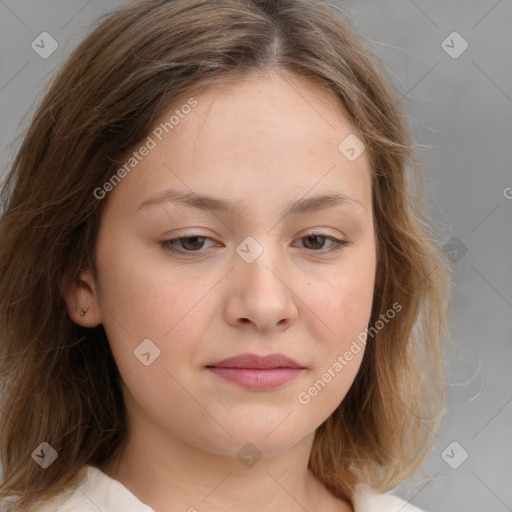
345 307
346 310
343 303
354 302
146 302
343 299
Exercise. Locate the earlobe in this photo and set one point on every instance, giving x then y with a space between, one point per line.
79 294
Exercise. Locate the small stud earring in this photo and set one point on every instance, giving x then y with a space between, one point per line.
82 313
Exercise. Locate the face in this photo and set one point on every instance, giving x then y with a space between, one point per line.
267 267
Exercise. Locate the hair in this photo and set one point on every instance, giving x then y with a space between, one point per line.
59 381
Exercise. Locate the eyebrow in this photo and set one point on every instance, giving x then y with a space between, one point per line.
204 202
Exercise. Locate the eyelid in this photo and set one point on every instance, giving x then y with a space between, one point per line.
337 243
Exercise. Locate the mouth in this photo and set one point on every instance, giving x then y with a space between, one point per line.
256 372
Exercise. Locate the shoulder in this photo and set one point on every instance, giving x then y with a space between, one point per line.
96 491
366 499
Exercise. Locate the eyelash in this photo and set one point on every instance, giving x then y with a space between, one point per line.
338 245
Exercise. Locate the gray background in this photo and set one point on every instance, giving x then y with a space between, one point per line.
460 111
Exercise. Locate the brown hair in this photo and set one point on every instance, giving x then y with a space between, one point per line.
59 382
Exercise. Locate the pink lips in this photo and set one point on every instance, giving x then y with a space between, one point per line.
257 372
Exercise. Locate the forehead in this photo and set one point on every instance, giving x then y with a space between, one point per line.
250 137
275 105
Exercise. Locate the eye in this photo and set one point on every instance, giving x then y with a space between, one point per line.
190 244
315 242
193 244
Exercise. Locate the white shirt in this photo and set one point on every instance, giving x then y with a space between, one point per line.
99 492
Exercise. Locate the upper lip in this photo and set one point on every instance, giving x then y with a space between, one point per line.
257 361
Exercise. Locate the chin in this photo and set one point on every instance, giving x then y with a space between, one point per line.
262 439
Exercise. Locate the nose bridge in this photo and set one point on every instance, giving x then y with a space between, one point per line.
260 278
258 262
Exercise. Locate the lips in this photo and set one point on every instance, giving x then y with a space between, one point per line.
256 372
258 362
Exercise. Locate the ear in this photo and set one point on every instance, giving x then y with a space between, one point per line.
80 296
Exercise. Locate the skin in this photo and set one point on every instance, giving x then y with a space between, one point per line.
262 143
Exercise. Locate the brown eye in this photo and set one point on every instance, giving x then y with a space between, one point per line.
182 245
192 243
315 243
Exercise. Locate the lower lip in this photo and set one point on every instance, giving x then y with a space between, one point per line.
257 378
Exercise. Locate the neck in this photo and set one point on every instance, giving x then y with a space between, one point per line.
170 475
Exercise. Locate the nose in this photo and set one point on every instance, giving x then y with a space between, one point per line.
261 295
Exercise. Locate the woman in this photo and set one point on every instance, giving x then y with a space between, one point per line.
220 290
